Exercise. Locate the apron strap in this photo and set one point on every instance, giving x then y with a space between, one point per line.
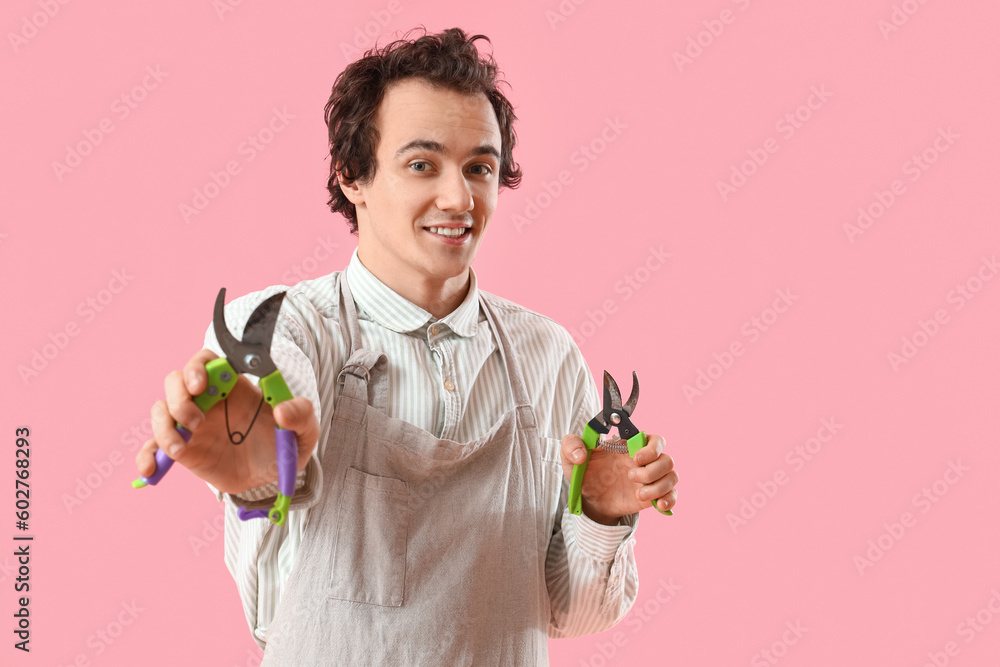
518 389
347 314
365 377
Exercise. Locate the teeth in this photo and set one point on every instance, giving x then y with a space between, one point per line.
446 231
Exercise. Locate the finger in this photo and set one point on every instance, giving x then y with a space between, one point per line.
573 450
655 444
297 414
195 375
166 436
667 502
653 471
179 401
657 489
145 460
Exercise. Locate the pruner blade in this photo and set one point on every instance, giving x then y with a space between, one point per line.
252 354
615 414
613 397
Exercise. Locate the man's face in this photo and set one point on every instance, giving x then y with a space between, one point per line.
424 214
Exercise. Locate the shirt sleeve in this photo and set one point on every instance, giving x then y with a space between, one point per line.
590 572
590 568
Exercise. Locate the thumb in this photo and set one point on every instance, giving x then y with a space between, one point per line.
573 451
297 414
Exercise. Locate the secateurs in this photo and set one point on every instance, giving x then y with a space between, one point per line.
630 439
250 355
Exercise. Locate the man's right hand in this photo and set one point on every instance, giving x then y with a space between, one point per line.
209 454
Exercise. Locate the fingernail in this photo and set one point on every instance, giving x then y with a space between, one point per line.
579 456
192 378
195 421
644 494
174 450
632 475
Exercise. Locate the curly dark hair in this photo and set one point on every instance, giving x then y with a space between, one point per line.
449 60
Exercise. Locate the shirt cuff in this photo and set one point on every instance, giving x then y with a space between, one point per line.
598 541
308 483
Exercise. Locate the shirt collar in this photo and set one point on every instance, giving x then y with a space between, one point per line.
395 313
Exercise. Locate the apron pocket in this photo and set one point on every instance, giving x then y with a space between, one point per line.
370 556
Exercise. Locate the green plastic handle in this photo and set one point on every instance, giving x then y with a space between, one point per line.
274 388
221 380
590 438
280 509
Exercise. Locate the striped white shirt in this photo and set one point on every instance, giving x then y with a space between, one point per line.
448 378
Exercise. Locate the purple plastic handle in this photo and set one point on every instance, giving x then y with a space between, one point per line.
287 446
287 449
163 462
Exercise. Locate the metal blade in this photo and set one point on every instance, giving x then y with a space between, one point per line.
227 341
612 397
252 355
633 397
260 326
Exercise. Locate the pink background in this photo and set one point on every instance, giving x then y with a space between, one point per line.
713 591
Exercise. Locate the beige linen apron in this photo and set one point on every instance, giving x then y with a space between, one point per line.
421 551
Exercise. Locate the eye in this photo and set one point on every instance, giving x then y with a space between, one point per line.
486 169
420 166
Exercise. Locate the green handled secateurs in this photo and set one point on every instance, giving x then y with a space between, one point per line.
630 439
250 355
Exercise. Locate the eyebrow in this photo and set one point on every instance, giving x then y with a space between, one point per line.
437 147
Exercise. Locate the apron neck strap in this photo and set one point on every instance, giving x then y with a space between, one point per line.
518 390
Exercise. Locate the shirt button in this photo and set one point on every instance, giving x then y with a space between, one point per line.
449 385
435 330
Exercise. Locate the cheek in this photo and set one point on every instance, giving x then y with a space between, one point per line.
488 203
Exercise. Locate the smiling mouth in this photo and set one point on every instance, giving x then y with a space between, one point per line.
449 232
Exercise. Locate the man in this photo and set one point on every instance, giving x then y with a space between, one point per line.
437 424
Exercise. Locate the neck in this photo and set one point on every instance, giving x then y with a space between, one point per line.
439 297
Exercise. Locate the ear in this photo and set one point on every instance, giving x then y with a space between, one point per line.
352 191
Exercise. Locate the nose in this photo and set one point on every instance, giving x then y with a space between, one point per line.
454 193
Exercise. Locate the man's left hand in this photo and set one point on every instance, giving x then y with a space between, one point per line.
616 485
